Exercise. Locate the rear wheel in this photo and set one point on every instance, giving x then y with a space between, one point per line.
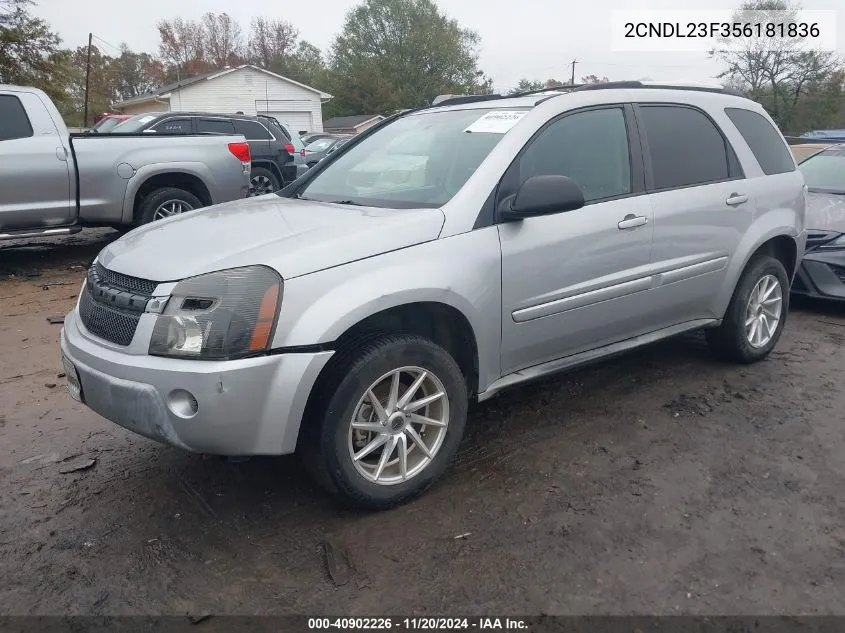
262 181
756 315
394 414
166 202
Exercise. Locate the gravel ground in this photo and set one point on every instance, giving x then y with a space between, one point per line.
661 482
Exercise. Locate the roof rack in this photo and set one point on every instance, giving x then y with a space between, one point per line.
608 85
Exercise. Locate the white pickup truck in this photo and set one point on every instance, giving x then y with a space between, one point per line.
53 182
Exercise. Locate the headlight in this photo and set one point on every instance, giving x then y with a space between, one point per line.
218 316
839 242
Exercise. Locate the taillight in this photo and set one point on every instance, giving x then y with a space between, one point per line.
302 152
290 149
241 151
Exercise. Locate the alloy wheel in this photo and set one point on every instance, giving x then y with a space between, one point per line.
398 425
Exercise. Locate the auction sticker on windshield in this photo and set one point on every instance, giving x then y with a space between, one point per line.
497 122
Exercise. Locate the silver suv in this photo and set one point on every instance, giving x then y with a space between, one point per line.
445 255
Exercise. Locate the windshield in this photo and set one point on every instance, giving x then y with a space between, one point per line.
320 145
134 124
420 160
107 124
825 171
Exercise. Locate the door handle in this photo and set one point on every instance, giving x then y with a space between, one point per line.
632 221
736 199
61 154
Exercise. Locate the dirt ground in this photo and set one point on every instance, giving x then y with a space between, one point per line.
662 482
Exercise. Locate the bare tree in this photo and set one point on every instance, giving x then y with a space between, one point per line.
270 42
181 46
775 72
223 43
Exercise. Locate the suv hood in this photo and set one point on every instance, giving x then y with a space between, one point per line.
296 237
825 211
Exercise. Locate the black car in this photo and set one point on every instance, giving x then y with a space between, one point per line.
822 271
274 156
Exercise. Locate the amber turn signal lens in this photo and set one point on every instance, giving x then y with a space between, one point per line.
264 324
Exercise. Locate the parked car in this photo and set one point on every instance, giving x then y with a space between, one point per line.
296 141
319 149
354 323
107 122
54 183
313 136
273 154
822 271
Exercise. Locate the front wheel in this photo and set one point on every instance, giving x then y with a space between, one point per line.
756 315
394 414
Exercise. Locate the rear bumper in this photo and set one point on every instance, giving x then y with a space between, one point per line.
244 407
822 275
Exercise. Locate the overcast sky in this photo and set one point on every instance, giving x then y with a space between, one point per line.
536 39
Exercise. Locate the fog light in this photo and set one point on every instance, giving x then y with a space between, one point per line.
182 403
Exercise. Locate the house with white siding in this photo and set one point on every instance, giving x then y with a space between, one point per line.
247 89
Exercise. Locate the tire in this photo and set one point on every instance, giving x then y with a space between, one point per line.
262 181
328 443
151 207
731 340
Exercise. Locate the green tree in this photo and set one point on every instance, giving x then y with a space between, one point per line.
305 65
394 54
29 50
134 74
528 85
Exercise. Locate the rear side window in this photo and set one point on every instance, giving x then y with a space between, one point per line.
215 126
13 120
252 131
686 147
173 126
764 140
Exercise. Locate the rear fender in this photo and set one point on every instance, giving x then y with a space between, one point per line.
142 175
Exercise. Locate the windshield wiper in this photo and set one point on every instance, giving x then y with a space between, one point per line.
349 202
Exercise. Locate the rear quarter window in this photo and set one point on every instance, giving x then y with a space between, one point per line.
764 140
14 123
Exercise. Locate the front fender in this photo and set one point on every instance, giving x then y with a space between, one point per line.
463 272
775 223
144 173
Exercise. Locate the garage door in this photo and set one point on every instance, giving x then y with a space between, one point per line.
296 121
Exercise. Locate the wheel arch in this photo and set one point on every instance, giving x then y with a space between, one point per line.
187 181
269 165
777 240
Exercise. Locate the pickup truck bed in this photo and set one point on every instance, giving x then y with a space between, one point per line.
52 182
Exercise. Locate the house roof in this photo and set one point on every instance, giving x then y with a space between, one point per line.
164 91
344 122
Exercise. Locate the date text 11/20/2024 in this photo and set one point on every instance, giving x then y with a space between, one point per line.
418 624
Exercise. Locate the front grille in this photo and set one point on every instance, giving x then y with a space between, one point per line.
124 282
817 238
112 325
112 303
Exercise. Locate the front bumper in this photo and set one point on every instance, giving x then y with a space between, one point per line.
821 274
245 407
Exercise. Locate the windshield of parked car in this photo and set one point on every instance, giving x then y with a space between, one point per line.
825 171
320 145
134 124
419 160
106 125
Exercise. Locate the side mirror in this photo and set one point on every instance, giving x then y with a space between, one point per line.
544 195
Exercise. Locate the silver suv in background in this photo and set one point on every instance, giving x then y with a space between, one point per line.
449 253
